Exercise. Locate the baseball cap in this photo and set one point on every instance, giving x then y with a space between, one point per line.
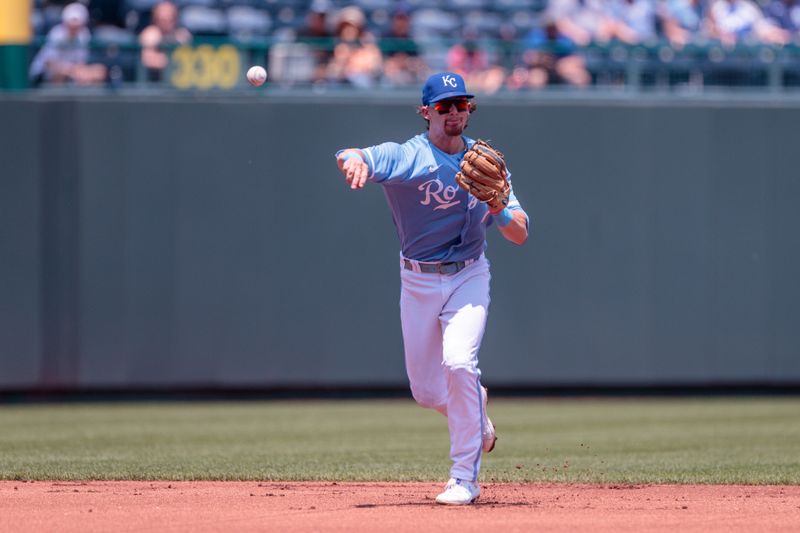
402 8
75 13
352 15
442 86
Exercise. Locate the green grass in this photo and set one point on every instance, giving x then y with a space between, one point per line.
722 440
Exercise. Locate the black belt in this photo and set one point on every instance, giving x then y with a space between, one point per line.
438 268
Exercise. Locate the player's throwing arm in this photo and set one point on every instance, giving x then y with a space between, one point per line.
354 167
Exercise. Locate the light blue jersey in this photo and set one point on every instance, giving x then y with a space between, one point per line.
436 219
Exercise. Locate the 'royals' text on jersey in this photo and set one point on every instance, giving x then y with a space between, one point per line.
436 220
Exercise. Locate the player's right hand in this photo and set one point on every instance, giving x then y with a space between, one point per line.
355 170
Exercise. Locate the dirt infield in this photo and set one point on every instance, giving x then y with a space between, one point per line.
271 506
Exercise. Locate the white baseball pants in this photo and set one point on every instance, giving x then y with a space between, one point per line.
443 319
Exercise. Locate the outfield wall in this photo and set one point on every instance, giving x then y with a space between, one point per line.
142 243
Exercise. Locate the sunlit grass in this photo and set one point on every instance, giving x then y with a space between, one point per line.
720 440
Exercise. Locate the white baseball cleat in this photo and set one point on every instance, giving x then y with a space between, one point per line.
489 435
459 492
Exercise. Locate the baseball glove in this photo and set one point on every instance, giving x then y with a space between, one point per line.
483 174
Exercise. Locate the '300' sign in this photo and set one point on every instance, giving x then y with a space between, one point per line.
205 67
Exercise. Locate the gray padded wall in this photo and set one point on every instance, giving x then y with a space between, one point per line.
20 246
146 247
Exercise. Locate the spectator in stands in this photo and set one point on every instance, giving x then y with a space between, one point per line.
683 21
317 33
549 59
161 34
402 64
581 21
473 63
741 20
357 60
784 14
632 21
64 58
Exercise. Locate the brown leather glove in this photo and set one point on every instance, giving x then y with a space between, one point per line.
483 174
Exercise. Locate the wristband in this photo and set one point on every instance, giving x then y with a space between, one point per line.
504 217
352 155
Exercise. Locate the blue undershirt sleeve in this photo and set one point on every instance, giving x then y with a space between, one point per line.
513 203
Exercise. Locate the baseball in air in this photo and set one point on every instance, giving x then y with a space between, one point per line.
256 76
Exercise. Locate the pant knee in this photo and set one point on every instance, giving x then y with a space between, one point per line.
427 400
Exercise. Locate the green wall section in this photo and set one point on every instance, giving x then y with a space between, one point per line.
211 241
13 66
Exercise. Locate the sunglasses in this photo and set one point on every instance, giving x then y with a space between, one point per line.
443 106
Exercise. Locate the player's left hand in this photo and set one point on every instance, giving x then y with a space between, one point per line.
483 174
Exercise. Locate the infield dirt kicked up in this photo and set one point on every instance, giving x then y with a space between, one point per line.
89 506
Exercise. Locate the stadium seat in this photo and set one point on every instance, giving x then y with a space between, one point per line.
112 35
276 5
513 5
203 3
245 21
369 5
38 22
485 23
420 4
140 5
201 20
523 21
257 4
431 22
52 17
466 4
434 53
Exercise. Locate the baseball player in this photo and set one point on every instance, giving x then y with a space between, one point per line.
444 274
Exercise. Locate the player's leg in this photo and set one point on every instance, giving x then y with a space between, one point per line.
463 322
420 305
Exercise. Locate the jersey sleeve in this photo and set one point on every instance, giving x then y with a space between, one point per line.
513 203
390 161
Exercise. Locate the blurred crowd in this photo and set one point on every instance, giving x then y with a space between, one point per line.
510 45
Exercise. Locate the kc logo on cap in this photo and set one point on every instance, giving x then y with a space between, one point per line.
442 86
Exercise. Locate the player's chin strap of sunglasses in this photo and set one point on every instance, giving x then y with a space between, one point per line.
451 267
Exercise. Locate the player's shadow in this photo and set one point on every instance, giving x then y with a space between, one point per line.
432 504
